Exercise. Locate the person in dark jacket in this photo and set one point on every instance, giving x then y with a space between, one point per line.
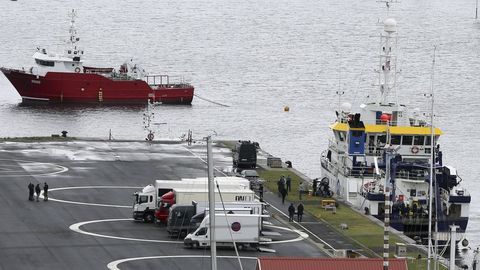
288 183
45 191
299 212
260 192
284 194
37 191
291 212
30 191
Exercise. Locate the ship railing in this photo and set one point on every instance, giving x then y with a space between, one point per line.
159 80
390 123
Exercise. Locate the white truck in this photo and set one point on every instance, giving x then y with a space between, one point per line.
243 229
183 219
147 200
184 196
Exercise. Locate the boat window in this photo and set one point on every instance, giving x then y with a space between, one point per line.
45 63
69 52
382 138
418 140
407 140
427 151
454 210
74 52
342 136
395 140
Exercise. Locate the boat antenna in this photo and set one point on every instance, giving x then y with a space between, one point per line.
430 195
73 31
476 10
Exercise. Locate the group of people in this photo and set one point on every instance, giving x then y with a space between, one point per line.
291 212
400 209
32 189
284 186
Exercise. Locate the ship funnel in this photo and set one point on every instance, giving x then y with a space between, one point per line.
390 25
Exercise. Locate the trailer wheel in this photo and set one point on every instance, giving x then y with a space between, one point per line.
148 218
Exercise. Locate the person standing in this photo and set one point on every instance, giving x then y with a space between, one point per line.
37 191
284 194
288 182
300 212
291 212
45 191
30 191
260 192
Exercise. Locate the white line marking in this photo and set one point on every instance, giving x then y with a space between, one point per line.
61 169
301 236
114 265
76 228
90 204
305 229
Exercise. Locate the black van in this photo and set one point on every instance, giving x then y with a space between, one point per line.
245 154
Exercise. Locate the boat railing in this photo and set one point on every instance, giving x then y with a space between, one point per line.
159 80
390 123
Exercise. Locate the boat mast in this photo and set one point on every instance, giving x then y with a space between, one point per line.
430 193
386 57
73 31
211 204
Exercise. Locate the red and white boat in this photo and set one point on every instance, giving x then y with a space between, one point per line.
64 78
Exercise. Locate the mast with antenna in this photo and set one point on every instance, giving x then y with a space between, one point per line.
432 144
211 202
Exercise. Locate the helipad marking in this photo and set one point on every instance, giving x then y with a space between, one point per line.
301 235
91 204
60 168
114 265
76 228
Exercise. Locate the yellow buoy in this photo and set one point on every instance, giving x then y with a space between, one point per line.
286 109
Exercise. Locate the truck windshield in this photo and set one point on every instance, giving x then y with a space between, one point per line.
142 199
202 231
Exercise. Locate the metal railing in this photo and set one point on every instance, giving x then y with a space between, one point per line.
166 81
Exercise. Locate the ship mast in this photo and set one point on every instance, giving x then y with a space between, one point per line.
72 30
387 58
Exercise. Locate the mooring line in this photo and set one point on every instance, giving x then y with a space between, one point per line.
211 101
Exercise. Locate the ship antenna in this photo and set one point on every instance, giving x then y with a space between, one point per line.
73 32
430 195
387 58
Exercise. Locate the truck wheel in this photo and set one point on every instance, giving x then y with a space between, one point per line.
148 218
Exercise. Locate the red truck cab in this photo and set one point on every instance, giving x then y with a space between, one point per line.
163 207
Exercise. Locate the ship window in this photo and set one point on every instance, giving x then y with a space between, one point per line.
45 63
382 138
341 136
428 150
407 140
455 210
428 140
69 52
395 140
418 140
74 52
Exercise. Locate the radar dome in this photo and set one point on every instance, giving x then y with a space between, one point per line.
346 107
390 25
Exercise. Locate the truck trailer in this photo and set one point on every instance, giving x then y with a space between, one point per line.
183 219
147 200
200 195
241 229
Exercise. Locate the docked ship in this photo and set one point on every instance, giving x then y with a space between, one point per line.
384 145
64 78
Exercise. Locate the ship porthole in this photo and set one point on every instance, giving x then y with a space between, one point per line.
77 70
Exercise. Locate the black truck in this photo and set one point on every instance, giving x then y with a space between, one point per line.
245 154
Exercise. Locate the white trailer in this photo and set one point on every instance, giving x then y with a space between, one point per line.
243 229
147 200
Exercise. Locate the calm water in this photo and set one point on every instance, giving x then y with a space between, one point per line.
257 57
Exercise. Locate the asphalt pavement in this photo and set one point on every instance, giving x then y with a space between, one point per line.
87 223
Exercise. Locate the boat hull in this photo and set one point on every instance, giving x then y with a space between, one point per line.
63 87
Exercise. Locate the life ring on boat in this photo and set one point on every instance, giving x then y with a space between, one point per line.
77 70
150 136
414 150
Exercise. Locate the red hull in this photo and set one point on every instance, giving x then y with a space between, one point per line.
93 88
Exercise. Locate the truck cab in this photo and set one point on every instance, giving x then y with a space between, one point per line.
144 204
